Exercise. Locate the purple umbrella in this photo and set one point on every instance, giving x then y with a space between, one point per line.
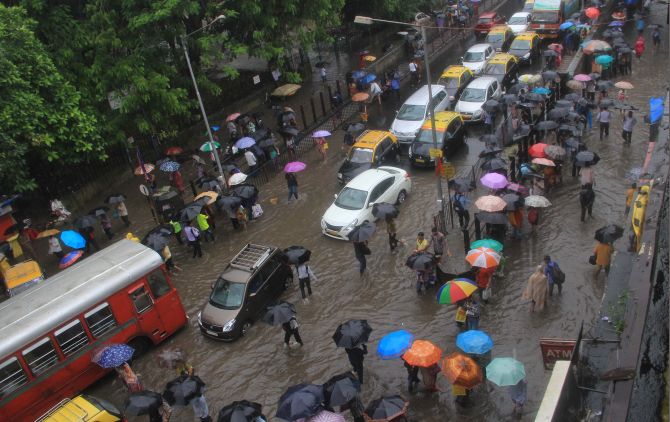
294 167
245 142
581 77
321 134
494 180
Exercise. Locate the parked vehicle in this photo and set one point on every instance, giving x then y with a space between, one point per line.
475 95
20 277
477 56
526 47
454 79
371 149
121 294
519 22
504 67
486 21
254 279
353 205
412 114
548 15
500 37
450 132
83 408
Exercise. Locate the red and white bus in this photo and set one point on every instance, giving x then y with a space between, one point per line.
121 294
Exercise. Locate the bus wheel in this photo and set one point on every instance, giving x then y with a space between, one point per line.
141 345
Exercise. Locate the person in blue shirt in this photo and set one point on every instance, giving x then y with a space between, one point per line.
549 265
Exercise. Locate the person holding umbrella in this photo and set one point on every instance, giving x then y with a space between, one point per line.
292 183
123 212
193 238
291 329
55 248
603 254
586 199
392 233
320 142
352 335
604 122
360 236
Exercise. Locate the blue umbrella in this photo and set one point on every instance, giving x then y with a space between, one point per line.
245 142
170 166
542 90
615 24
655 109
357 74
604 59
394 344
72 239
368 78
113 355
567 24
215 128
474 341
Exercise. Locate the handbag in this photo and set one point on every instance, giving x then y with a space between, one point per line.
592 260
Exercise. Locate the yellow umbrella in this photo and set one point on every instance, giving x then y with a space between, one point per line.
286 90
369 58
47 233
210 195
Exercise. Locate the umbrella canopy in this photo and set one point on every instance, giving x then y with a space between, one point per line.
266 143
290 131
510 98
549 53
623 85
286 90
237 178
142 403
558 113
587 158
47 233
245 142
494 180
423 353
491 105
181 390
542 90
513 201
593 46
494 164
475 342
546 125
624 106
327 416
169 166
530 79
207 146
70 259
604 60
280 313
604 85
189 212
566 25
174 151
505 371
84 222
294 167
394 344
491 217
575 85
156 241
490 203
383 210
209 197
483 257
72 239
360 97
341 389
487 243
98 211
229 203
386 408
536 201
462 370
115 198
369 77
363 232
113 355
537 150
244 191
300 401
543 162
240 411
421 261
517 88
232 117
355 127
515 187
615 24
549 75
352 333
554 152
609 233
297 254
455 290
459 185
592 12
490 151
321 134
148 168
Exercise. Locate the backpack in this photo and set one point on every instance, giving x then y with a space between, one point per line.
557 274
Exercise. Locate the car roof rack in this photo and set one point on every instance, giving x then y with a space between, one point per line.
251 257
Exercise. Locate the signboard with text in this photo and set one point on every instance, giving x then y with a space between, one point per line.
555 349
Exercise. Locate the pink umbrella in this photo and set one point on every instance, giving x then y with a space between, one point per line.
520 189
321 134
294 167
490 203
581 77
544 162
232 117
494 181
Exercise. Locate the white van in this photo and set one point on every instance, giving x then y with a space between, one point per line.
475 95
411 115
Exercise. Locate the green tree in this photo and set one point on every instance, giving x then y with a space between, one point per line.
40 112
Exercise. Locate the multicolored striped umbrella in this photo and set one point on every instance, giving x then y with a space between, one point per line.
70 259
483 257
455 290
423 353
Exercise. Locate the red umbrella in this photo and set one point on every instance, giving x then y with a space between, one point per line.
537 150
174 151
592 12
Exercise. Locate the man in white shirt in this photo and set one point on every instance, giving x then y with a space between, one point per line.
305 275
375 91
604 122
629 123
413 73
252 161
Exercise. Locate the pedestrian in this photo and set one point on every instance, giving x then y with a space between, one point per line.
533 216
290 146
515 219
322 147
292 183
395 86
305 276
421 243
413 73
460 203
323 73
375 92
554 275
88 233
483 279
356 356
439 242
176 229
603 254
656 38
604 122
291 329
193 238
587 177
460 316
106 225
167 259
630 194
591 91
586 199
55 248
392 232
122 211
200 408
640 45
129 378
347 142
472 313
429 377
412 376
629 123
536 289
242 216
488 121
517 393
232 131
252 161
203 225
177 181
361 249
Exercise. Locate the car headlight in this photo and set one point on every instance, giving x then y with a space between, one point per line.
339 175
200 318
228 326
526 56
477 114
350 226
323 224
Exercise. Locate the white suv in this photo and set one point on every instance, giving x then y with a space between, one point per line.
477 57
411 115
475 95
519 22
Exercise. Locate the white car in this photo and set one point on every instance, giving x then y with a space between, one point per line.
519 22
411 115
477 57
475 95
353 205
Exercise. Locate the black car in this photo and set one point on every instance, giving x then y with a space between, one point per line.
450 132
526 48
503 67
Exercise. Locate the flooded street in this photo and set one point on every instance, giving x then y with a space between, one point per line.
258 368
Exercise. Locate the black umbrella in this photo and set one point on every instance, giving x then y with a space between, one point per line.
655 26
386 408
549 53
563 104
180 391
115 198
189 212
355 127
156 241
624 49
363 232
587 158
517 88
549 75
546 125
533 96
460 185
513 201
573 143
228 203
297 254
84 222
142 403
524 130
572 116
259 134
606 102
491 217
207 184
624 106
279 314
567 128
558 113
164 230
607 33
491 105
240 411
510 98
594 75
352 333
420 261
573 96
604 85
266 143
300 401
490 151
341 389
290 131
609 233
489 139
244 191
494 164
242 119
383 210
98 211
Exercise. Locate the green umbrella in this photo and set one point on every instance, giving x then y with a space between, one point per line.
487 243
505 371
207 147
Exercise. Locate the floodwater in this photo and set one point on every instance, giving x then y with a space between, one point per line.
258 368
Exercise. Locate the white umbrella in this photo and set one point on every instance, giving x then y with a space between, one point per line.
536 201
237 178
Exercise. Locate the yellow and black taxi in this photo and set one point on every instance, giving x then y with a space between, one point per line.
504 67
500 37
526 47
83 408
371 149
455 78
450 132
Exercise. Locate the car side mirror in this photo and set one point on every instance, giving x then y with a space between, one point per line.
461 60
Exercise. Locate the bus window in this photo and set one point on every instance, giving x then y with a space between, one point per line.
71 338
100 320
158 284
11 376
141 300
40 356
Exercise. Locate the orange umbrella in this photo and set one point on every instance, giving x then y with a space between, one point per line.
483 257
490 203
360 97
209 195
592 12
423 353
148 168
462 370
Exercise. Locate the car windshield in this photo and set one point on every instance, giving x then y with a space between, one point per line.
411 112
485 20
494 69
517 20
360 155
449 82
351 199
473 95
426 137
520 45
227 294
494 38
545 16
472 56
